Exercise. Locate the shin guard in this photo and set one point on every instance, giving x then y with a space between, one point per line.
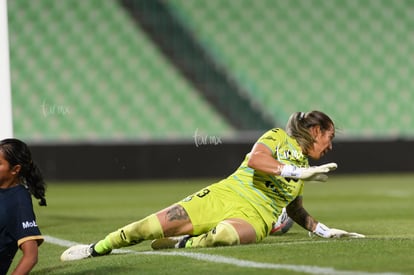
223 234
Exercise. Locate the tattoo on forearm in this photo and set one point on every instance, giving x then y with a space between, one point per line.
310 223
177 212
302 217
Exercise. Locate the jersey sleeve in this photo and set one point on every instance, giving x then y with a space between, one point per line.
25 227
272 139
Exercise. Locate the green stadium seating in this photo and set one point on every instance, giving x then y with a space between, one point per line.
81 70
351 59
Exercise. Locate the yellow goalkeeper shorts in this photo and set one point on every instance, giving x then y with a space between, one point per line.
215 203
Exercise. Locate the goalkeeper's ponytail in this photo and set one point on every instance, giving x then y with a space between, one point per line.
16 152
299 123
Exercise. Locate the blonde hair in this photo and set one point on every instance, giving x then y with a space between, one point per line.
299 123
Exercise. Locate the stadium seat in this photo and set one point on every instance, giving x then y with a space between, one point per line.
81 70
350 59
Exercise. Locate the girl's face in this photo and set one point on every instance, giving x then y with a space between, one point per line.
8 175
323 142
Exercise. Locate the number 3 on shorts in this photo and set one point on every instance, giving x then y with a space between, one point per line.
203 193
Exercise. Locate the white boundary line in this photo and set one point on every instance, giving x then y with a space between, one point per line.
229 260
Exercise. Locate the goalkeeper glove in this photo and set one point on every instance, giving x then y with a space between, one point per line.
315 173
325 232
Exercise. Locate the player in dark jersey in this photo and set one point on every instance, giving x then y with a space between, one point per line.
19 179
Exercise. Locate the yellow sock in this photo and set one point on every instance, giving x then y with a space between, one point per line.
148 228
222 235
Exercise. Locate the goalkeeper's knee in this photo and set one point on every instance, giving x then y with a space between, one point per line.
223 234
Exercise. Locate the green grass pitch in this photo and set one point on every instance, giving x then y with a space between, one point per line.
381 207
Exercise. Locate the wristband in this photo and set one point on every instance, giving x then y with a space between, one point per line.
290 171
322 230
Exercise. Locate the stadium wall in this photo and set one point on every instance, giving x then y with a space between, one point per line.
189 160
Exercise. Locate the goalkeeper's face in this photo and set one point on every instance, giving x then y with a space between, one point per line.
323 142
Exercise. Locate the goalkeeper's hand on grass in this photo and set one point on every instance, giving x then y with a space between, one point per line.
323 231
315 173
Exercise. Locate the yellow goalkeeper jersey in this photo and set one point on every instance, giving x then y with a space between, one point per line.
267 193
253 196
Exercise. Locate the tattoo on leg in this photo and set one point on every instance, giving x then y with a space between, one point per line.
177 212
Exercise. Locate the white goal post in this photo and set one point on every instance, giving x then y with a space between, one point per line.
6 120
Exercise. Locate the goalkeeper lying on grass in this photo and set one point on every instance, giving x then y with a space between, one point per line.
241 208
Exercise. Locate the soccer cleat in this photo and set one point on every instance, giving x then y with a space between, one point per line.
282 225
170 242
80 251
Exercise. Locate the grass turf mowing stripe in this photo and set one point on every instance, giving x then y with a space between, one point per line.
228 260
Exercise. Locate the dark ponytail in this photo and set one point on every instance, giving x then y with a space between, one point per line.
16 152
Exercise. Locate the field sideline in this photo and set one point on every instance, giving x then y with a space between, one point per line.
381 207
